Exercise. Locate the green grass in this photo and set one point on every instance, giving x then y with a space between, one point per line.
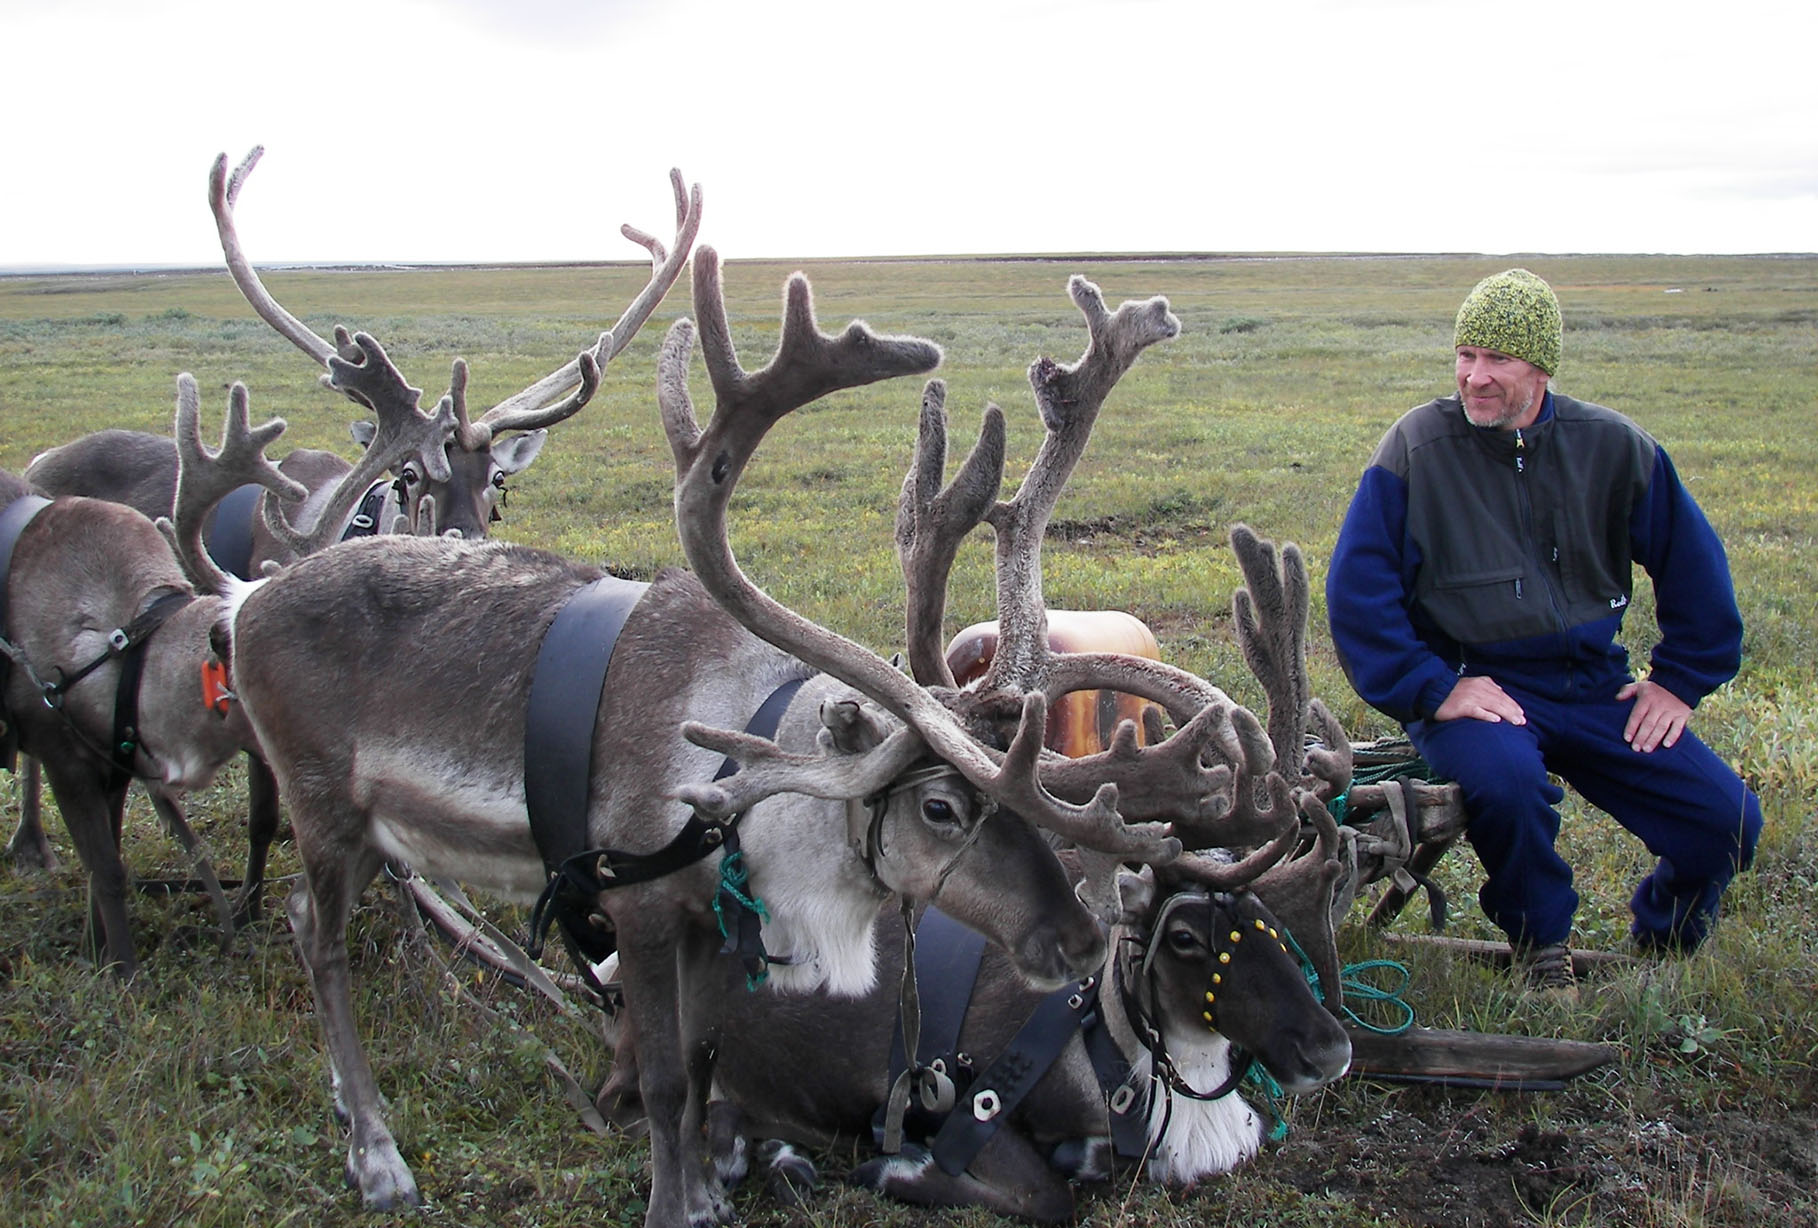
200 1097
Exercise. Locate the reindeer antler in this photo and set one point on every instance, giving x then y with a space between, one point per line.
1301 892
931 523
807 365
404 430
1216 875
538 405
206 476
556 396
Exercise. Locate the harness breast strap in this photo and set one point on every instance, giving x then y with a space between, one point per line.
564 705
228 535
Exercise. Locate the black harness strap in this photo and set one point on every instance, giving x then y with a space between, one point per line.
365 520
583 875
13 519
1001 1086
131 651
1128 1103
946 969
945 975
564 706
228 535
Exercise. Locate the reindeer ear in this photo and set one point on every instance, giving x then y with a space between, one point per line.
850 726
1135 892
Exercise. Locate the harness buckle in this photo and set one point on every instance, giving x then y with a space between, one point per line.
934 1088
1122 1099
118 640
986 1105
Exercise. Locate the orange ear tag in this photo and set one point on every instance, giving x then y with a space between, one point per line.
215 695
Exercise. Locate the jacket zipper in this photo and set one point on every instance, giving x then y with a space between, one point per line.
1527 526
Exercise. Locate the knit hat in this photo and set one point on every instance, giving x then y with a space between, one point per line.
1512 313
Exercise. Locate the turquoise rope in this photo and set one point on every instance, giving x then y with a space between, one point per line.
733 878
1356 988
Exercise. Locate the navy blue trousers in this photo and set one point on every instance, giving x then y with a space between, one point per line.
1690 809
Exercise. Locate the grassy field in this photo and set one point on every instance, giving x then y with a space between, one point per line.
200 1097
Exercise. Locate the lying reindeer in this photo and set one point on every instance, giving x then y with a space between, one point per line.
870 787
447 479
1144 1061
1145 1064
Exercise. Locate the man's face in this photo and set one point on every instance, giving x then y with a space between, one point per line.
1499 390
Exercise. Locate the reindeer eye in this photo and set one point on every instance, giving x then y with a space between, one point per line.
1183 941
409 475
498 478
941 812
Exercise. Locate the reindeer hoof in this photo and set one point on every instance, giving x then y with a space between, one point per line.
790 1176
31 857
382 1177
877 1173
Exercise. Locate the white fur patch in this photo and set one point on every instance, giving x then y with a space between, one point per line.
1204 1137
439 818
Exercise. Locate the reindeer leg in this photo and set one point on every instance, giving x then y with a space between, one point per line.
319 909
30 848
175 822
619 1101
1009 1176
261 830
93 814
655 966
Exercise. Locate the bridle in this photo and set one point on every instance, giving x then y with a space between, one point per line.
870 847
1225 933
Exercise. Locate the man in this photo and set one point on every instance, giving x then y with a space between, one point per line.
1475 594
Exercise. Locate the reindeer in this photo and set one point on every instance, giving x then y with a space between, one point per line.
453 490
107 639
872 785
1145 1064
143 470
1141 1061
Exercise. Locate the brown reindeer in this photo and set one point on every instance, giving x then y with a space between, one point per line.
1141 1062
873 786
106 640
1144 1066
446 480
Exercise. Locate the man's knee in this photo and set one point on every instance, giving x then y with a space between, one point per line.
1487 759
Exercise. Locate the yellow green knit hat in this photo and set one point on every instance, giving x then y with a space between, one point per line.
1513 313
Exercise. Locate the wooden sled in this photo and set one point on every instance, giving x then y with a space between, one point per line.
1474 1059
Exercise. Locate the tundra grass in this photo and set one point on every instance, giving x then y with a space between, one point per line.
199 1097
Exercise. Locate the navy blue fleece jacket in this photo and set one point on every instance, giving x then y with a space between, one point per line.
1509 554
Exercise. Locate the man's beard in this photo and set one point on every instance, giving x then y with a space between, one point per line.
1510 415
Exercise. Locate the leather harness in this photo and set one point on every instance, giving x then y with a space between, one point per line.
228 535
565 693
124 644
962 1107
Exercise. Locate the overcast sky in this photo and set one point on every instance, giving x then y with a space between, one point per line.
526 130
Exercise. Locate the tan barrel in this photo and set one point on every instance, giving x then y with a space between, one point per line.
1081 723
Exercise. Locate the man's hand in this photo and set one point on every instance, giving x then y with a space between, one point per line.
1658 717
1480 699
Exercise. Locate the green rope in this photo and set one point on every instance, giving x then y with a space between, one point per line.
1351 979
1387 759
1360 990
733 878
